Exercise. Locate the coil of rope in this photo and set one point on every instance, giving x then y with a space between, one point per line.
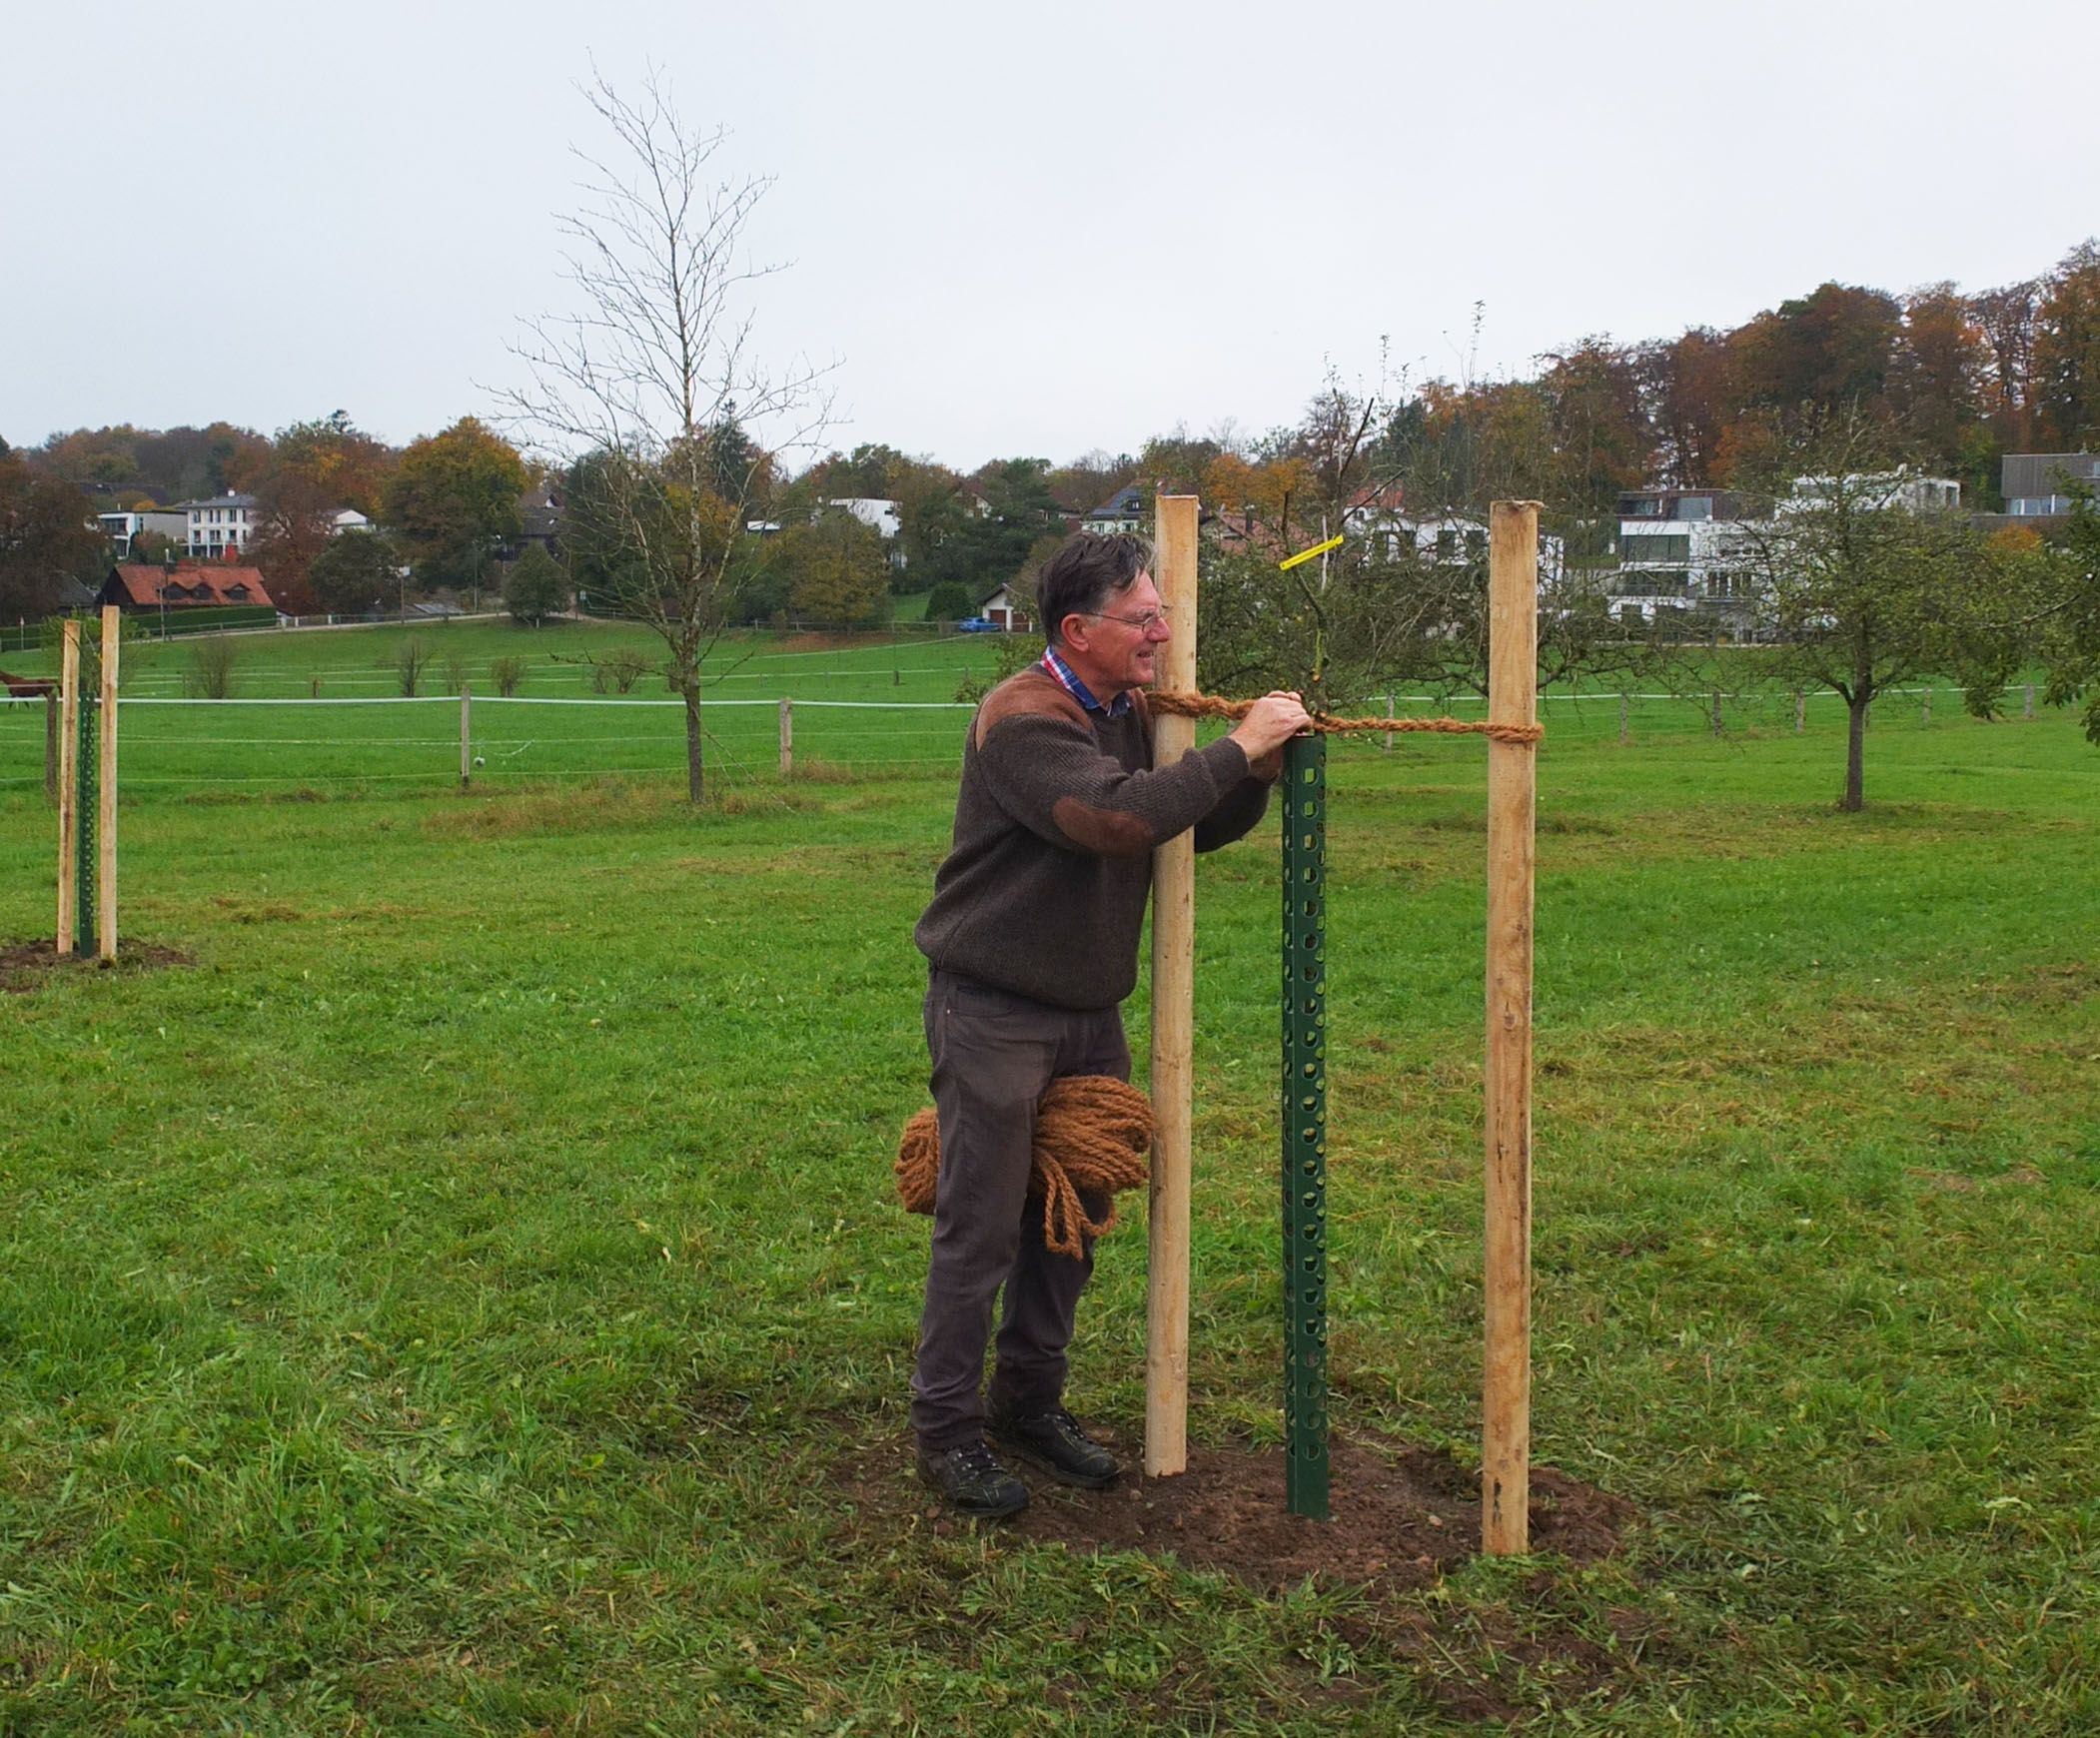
1183 705
1093 1137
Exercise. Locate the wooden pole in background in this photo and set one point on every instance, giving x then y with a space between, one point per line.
106 795
787 736
465 735
1512 670
1173 1027
67 788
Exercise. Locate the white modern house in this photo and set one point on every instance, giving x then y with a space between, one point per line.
1682 549
219 523
122 527
1882 490
1443 539
210 529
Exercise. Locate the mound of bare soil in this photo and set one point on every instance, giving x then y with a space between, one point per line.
1401 1517
26 965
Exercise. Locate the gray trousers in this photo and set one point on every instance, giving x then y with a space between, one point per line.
993 1056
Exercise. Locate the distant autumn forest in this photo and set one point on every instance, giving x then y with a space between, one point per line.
1956 377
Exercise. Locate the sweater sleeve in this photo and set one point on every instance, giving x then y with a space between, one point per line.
1238 812
1052 778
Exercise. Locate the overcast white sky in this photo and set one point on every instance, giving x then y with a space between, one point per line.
1022 230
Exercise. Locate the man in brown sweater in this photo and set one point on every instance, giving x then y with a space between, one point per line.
1032 943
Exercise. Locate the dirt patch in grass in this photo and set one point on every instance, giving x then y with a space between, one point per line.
30 964
1401 1516
1402 1519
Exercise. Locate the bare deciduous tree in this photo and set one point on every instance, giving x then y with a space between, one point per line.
654 383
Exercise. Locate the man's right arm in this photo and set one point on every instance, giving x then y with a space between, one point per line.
1049 774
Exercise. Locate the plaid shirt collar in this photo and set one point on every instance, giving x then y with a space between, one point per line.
1067 679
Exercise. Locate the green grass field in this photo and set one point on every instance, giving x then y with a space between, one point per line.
320 713
446 1301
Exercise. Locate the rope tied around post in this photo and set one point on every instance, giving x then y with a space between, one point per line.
1182 705
1093 1135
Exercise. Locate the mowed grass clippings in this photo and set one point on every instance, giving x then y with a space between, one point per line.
447 1303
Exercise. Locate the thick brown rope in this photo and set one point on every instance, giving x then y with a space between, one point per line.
1327 724
1092 1134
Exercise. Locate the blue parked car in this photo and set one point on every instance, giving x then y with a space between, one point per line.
977 624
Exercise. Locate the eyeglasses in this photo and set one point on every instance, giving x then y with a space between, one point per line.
1150 619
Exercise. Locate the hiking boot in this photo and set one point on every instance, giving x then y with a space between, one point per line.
1053 1439
972 1480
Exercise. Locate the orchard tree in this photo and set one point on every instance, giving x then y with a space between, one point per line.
357 573
535 587
1865 593
2070 626
653 387
836 569
451 498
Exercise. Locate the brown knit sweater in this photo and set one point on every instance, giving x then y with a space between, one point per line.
1043 891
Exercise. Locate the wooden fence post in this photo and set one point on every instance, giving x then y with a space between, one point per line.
465 735
67 788
1505 1393
787 736
106 795
1173 1027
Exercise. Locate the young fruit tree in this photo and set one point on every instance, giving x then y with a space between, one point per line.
1868 582
652 390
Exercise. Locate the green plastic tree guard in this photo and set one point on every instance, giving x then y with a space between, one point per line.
86 811
1305 1125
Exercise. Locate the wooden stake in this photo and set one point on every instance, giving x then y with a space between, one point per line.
1505 1393
465 735
787 736
106 795
1173 1028
67 788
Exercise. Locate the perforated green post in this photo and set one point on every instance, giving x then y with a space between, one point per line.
1305 1125
86 811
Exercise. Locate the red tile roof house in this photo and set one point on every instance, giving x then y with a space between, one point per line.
137 585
